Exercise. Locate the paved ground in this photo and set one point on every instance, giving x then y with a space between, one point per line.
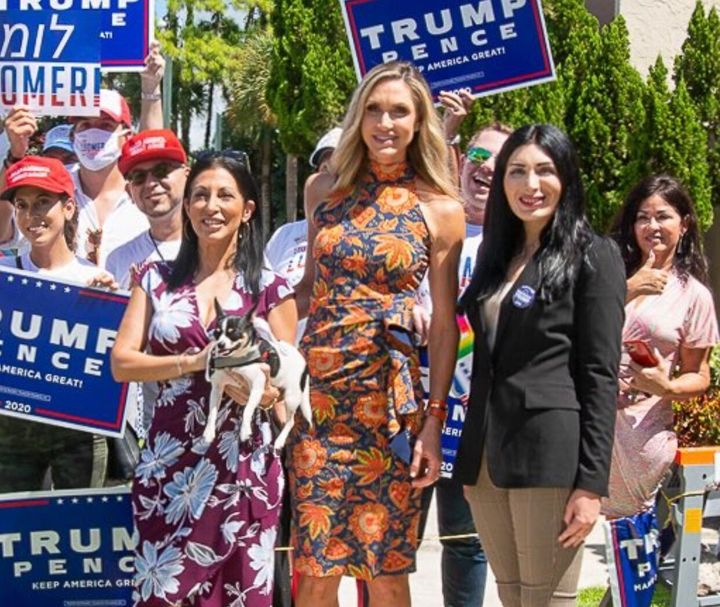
425 583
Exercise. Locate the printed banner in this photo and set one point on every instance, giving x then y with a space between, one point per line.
67 548
52 52
632 554
457 399
55 342
484 46
48 62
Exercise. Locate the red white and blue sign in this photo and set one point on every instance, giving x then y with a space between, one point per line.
457 410
52 53
484 46
632 554
71 548
55 343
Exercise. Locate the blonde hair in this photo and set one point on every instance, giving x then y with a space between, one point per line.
427 153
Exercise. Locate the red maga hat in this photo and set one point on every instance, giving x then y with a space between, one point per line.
153 144
48 174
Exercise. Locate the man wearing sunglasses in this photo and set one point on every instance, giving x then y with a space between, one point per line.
463 562
155 168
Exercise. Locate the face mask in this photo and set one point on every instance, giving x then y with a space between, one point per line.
97 149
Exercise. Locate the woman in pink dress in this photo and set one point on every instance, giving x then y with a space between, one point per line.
670 307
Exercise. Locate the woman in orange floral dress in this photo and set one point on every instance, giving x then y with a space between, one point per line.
387 214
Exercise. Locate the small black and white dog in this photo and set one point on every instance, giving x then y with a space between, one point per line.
243 343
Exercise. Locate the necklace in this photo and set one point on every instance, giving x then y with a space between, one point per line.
157 249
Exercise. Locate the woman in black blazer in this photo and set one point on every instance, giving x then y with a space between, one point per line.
546 304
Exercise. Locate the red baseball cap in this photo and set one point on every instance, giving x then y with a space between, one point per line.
152 144
114 105
41 172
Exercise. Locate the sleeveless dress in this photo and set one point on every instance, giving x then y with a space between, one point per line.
354 510
206 518
683 315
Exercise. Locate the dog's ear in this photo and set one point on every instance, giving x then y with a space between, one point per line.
218 309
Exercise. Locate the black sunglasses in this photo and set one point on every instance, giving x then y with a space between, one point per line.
237 155
160 171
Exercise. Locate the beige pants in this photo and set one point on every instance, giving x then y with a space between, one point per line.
518 529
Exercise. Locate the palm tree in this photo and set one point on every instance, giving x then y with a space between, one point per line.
249 113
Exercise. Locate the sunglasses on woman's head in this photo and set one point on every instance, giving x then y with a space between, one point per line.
478 155
160 171
237 155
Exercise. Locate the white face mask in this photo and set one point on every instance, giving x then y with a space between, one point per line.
97 149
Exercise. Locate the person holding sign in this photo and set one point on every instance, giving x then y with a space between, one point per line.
546 305
387 212
670 327
41 190
206 514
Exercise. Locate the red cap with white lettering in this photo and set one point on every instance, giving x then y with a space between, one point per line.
48 174
152 144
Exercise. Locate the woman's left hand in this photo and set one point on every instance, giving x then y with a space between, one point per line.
581 512
271 398
651 380
104 280
425 466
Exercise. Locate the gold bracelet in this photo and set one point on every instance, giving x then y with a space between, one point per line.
178 362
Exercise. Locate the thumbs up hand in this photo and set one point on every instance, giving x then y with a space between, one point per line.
648 280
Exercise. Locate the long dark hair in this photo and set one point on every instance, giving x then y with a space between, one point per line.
562 241
248 259
689 258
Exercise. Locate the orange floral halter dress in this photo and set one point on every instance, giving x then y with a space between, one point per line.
354 510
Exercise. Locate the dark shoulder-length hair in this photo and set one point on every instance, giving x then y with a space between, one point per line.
248 259
689 258
563 240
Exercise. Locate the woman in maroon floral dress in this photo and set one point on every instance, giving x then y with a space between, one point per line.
206 515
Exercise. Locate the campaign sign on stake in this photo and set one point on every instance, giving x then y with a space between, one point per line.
66 548
632 548
484 46
55 342
48 62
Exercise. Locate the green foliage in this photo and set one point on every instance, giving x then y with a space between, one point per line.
249 111
591 597
673 134
608 116
697 421
623 128
312 75
699 67
201 37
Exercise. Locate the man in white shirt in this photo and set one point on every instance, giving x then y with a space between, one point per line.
154 165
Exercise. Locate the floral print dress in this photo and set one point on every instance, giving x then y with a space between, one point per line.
354 510
206 515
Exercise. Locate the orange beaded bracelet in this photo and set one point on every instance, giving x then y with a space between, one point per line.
437 408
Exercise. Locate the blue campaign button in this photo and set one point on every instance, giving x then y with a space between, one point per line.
523 297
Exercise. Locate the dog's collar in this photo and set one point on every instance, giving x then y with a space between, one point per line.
253 355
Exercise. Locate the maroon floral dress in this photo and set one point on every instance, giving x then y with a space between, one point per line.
206 516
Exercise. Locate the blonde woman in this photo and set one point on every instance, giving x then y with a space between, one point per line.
387 214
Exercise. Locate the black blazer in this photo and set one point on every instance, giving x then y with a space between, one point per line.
542 403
